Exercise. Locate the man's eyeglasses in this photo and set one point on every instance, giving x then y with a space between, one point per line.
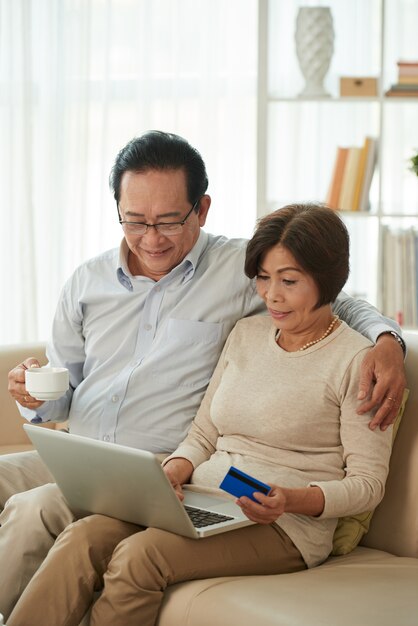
164 228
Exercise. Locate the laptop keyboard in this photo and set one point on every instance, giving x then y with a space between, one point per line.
201 517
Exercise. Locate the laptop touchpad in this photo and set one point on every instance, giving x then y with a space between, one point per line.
202 499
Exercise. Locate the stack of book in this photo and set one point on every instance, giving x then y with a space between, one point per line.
407 85
352 176
400 275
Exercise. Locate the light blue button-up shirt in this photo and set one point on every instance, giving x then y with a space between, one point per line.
140 353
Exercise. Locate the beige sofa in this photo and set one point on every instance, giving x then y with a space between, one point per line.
375 585
12 436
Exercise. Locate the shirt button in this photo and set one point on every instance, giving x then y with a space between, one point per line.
157 288
106 438
115 398
147 326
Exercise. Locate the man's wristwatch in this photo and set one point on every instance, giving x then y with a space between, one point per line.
397 337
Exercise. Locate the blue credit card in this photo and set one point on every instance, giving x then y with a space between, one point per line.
240 484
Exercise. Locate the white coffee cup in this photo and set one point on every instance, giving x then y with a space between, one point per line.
46 383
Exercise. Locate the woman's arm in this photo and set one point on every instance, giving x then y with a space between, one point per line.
366 455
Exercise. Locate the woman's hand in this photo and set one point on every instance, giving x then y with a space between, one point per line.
267 508
306 500
178 472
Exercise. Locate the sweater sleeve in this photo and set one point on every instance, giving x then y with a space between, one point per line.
366 455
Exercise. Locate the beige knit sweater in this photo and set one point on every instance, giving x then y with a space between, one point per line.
289 418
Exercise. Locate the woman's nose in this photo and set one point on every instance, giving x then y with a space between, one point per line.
274 295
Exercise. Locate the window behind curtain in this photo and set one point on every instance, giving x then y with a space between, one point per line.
78 79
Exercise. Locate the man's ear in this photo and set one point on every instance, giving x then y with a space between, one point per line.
204 205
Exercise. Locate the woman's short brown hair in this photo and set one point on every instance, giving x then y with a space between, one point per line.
317 238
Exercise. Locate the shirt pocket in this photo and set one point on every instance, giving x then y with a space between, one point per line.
190 352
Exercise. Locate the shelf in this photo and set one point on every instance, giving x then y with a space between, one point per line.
360 214
339 99
403 216
411 99
381 216
331 99
298 136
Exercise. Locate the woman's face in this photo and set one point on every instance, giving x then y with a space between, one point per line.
289 292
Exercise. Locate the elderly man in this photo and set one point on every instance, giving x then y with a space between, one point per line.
140 329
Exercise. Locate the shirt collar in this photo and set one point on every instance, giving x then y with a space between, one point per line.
122 271
187 266
191 260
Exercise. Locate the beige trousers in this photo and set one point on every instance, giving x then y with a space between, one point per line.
134 568
34 514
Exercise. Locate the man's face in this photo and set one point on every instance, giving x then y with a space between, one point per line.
152 197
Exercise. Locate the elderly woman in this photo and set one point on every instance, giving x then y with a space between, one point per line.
281 406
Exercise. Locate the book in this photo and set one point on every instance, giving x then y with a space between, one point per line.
405 67
345 201
409 278
361 173
370 164
334 190
399 276
388 273
402 93
404 87
352 176
402 90
408 79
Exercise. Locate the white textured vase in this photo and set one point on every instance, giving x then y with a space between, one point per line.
314 48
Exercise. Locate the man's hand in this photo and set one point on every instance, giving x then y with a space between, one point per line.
382 381
17 388
178 472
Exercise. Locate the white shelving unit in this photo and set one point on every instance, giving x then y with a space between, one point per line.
297 138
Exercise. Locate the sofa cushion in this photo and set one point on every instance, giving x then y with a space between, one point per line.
364 587
351 528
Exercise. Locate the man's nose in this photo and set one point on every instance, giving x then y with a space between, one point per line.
152 233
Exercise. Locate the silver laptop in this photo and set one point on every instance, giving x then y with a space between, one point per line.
128 484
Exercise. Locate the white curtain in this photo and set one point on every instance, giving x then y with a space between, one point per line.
78 79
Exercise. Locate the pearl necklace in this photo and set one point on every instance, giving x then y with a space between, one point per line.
328 331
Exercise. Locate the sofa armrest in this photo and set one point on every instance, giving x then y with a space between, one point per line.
13 438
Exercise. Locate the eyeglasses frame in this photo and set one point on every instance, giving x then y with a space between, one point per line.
156 226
